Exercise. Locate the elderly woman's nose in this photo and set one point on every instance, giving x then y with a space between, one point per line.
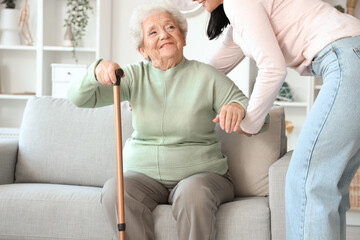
164 34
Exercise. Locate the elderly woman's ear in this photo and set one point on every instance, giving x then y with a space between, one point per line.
143 53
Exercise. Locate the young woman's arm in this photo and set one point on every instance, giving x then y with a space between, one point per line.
228 56
253 31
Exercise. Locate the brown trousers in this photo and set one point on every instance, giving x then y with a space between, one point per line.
194 201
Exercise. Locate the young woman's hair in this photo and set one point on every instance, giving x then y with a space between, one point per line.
217 23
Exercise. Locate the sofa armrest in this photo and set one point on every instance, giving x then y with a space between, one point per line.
8 156
277 175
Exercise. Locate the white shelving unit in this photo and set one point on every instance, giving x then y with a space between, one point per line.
25 71
291 104
302 88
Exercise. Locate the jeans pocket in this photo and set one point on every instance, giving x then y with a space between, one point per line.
357 51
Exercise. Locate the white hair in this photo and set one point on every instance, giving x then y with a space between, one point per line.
151 8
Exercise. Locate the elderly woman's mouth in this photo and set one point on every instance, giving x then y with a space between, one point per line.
166 44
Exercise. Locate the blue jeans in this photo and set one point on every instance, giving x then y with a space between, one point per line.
327 153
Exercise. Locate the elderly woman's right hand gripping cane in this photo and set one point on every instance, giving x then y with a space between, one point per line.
119 165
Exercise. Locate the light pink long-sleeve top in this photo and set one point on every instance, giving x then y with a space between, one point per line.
277 34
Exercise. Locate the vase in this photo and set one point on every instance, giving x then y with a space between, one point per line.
68 37
9 19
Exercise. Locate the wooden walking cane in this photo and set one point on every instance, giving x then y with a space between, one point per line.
119 164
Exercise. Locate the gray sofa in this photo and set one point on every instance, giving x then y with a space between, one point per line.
51 178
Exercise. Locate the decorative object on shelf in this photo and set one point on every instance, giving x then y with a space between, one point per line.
68 37
77 20
285 93
289 126
340 8
355 192
350 5
9 17
24 23
187 7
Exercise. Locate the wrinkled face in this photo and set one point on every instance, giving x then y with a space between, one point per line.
209 5
162 38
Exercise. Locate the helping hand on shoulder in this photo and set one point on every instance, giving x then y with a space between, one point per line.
105 72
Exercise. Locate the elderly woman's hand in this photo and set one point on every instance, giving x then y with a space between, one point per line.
105 72
230 117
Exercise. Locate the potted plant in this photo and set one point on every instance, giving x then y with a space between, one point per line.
9 4
77 21
9 18
339 8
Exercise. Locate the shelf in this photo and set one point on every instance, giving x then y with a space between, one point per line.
15 47
353 218
317 87
291 104
68 49
16 96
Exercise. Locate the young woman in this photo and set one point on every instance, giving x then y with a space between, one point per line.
312 37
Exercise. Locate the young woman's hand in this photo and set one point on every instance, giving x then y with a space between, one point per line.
105 72
230 117
264 128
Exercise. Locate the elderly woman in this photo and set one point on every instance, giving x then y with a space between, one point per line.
174 154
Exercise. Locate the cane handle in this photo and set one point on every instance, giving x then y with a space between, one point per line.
119 73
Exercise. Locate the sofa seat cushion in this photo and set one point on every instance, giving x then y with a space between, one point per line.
50 211
244 218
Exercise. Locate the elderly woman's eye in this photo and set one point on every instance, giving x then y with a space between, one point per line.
151 33
171 27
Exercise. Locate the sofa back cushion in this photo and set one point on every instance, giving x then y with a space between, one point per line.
60 143
249 158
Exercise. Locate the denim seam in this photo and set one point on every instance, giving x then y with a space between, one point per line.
314 143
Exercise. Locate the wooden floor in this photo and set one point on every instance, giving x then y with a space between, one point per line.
353 233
